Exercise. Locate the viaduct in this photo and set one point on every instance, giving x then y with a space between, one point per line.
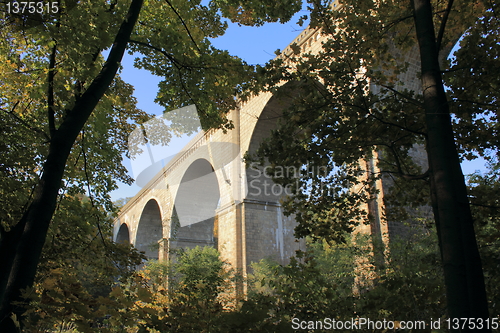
206 195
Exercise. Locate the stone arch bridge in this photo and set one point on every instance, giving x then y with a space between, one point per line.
206 195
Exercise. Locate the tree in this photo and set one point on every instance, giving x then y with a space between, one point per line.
22 244
78 267
352 102
485 209
322 283
190 293
56 82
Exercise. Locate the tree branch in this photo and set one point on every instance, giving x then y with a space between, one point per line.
397 92
396 125
50 92
25 123
485 206
184 24
177 62
474 102
394 23
456 69
442 27
174 62
166 54
91 197
400 169
425 175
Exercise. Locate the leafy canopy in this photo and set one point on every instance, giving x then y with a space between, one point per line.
358 97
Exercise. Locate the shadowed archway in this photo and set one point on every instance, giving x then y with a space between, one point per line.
149 230
123 235
193 218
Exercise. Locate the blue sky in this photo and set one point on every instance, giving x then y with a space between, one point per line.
255 45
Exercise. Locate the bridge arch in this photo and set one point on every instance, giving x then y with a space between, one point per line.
149 229
260 185
193 220
123 235
265 223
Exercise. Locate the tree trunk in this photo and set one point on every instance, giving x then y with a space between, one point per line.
20 248
465 288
